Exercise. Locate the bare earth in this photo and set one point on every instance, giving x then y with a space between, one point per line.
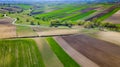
115 18
6 28
77 56
57 32
103 53
110 36
50 59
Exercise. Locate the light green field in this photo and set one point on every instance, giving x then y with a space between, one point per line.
24 6
61 54
20 53
1 15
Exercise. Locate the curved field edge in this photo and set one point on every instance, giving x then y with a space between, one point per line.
20 53
61 54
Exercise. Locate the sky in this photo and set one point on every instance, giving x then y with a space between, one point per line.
43 0
56 0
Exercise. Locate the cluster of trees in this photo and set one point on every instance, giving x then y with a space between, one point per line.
57 22
32 23
45 18
99 24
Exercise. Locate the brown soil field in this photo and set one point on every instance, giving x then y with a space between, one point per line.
6 28
115 18
53 31
6 21
38 29
109 36
103 53
77 56
11 9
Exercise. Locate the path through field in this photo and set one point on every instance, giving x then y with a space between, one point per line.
50 59
78 57
103 53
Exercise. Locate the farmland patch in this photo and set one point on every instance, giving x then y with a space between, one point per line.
98 51
20 53
7 29
115 18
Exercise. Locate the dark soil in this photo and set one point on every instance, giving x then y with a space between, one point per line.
101 52
102 13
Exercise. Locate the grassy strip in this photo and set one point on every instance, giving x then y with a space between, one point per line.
69 17
49 57
20 53
108 14
61 54
75 18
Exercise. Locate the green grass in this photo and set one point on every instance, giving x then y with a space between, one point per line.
61 54
25 31
69 17
20 53
24 6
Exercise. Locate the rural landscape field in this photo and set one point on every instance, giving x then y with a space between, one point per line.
60 33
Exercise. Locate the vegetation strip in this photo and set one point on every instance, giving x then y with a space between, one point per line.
82 15
49 57
61 54
108 14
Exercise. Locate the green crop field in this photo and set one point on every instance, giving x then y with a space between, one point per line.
36 23
24 6
20 53
83 15
64 12
79 16
61 54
